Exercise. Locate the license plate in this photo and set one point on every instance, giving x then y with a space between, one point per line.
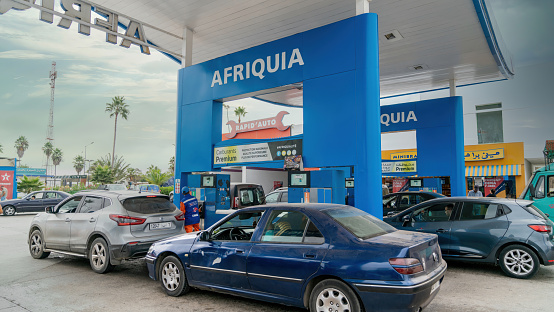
435 286
160 225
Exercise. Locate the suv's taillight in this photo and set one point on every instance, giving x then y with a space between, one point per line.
541 228
180 217
406 265
126 220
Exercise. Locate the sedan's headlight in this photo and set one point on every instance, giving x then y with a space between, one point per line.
150 250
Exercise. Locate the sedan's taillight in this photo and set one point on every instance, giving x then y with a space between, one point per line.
126 220
180 217
406 265
541 228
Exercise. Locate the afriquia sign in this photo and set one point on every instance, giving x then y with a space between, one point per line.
31 171
267 123
259 68
81 12
398 117
267 151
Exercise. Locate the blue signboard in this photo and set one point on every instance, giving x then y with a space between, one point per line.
31 172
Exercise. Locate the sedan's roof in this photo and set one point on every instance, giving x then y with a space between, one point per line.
499 200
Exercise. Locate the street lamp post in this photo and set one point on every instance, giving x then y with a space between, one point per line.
86 179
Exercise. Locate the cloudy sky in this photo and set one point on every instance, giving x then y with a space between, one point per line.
91 72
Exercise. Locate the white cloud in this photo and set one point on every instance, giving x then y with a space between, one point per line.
23 54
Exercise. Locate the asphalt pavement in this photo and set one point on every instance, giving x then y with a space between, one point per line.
65 283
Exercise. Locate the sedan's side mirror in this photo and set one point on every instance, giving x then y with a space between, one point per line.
204 236
49 209
406 220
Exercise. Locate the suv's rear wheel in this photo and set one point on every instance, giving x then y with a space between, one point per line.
99 256
36 245
172 277
519 261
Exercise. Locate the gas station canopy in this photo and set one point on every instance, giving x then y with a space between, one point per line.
424 44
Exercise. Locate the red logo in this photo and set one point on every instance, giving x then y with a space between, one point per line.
267 123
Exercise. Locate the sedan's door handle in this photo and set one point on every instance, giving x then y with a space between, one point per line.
309 256
239 251
442 231
92 220
67 220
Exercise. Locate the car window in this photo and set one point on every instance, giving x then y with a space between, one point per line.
70 206
539 189
418 199
52 195
91 204
107 202
39 195
475 211
550 186
313 235
238 228
272 198
404 201
435 213
251 196
285 197
285 227
388 202
358 222
149 204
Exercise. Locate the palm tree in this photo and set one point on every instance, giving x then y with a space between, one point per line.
118 168
240 111
133 174
227 108
115 108
172 165
1 150
155 175
57 157
48 148
78 164
21 145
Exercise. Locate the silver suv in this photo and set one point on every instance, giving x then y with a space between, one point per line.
104 226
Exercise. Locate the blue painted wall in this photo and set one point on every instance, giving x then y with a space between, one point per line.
339 67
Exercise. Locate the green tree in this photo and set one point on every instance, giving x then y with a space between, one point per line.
172 165
1 150
116 108
21 145
240 111
134 174
78 164
57 158
119 168
48 148
29 185
155 175
102 175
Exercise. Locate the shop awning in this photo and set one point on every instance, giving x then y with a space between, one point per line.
493 171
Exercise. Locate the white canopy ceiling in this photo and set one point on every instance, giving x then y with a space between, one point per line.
435 40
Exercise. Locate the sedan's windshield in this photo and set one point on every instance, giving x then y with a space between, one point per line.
358 222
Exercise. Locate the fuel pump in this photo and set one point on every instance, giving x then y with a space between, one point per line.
323 186
212 191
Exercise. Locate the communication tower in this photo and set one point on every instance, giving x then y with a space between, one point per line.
53 75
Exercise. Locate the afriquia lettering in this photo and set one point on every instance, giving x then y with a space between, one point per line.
80 12
258 68
387 119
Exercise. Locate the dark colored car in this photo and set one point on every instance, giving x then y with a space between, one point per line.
41 200
396 202
513 234
324 257
280 195
104 226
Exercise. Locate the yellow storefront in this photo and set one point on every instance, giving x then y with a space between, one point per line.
497 166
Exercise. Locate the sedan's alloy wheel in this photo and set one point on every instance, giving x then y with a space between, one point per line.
332 299
171 277
9 210
519 262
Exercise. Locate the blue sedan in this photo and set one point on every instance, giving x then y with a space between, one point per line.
319 256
